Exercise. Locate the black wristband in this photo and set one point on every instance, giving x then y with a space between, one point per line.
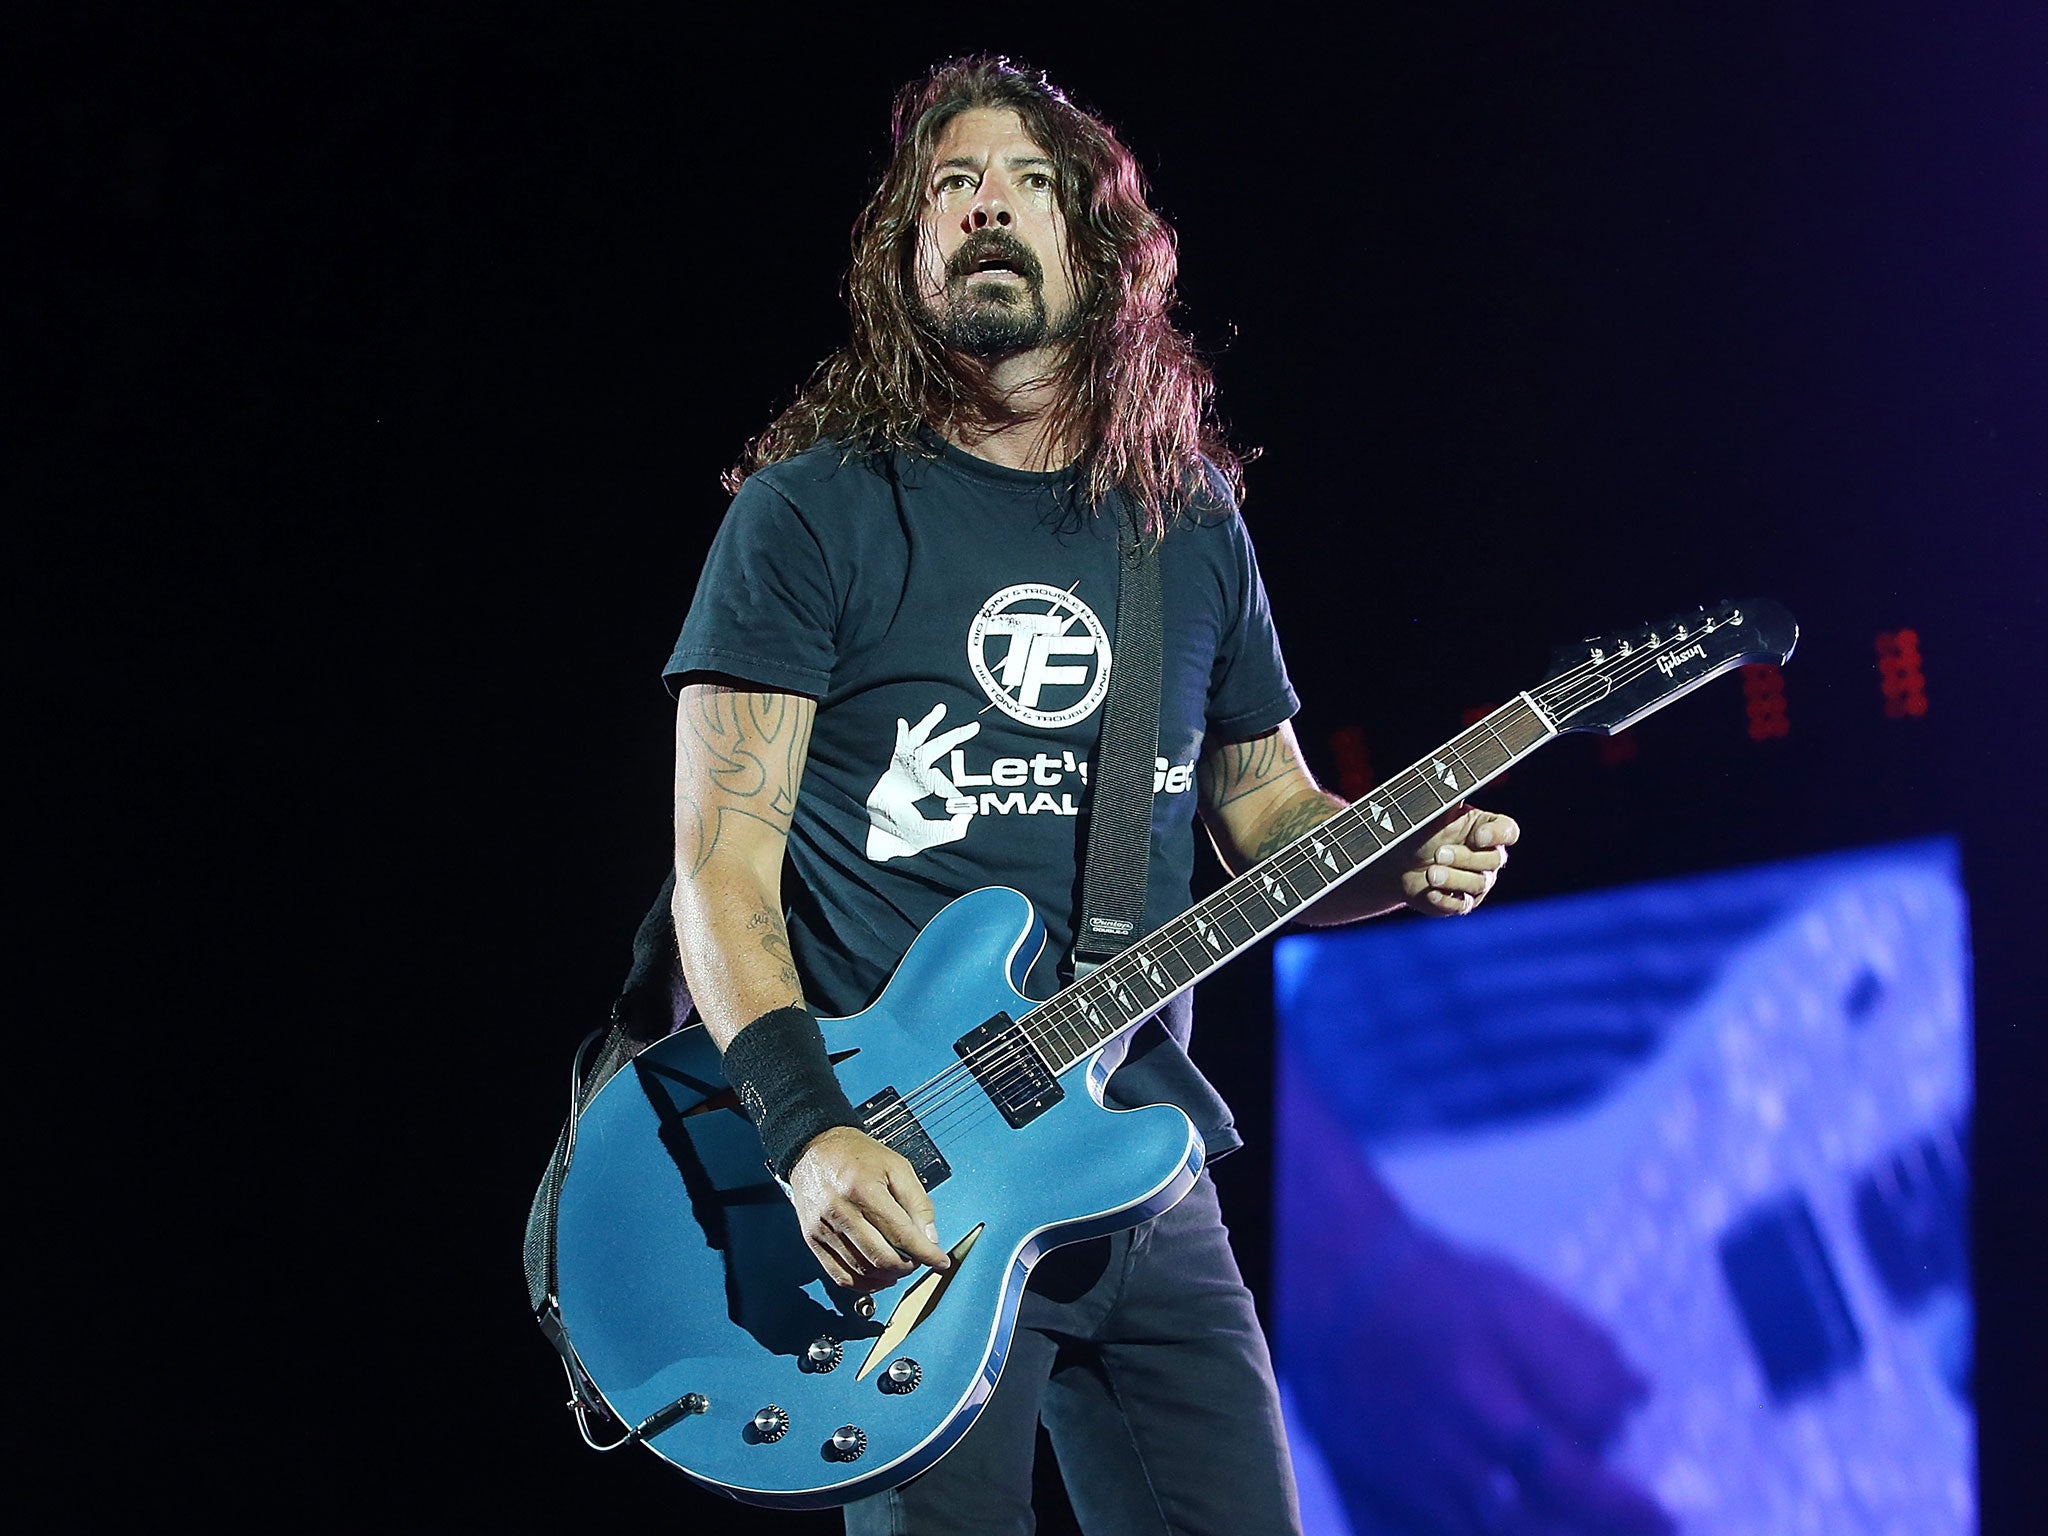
778 1067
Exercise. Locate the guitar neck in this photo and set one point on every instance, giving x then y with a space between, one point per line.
1158 968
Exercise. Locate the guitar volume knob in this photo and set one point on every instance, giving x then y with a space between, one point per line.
823 1355
902 1376
849 1442
770 1424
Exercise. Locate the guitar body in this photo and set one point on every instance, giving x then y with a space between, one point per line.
684 1291
682 1269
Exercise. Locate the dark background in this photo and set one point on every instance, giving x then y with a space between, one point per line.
373 373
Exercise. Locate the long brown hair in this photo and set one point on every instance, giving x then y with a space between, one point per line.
1133 390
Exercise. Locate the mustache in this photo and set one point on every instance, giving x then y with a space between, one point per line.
995 244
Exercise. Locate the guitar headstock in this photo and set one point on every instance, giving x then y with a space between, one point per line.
1607 683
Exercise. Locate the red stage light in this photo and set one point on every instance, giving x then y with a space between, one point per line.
1763 690
1354 762
1899 676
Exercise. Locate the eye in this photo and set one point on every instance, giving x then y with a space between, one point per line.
953 181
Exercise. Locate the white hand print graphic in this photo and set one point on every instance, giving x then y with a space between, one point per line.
896 828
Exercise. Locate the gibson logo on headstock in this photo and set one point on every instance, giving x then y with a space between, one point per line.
1669 664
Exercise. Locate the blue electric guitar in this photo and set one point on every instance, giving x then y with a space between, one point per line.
687 1301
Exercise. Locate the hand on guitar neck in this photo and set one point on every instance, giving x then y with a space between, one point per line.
1258 796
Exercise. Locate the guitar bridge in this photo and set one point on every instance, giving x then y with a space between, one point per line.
889 1121
1010 1070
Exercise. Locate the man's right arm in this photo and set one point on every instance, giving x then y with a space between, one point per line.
740 754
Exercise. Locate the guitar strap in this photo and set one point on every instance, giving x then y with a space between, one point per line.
1113 872
655 1000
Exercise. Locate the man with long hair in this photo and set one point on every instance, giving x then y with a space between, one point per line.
890 682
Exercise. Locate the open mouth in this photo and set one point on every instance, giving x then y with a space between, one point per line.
993 261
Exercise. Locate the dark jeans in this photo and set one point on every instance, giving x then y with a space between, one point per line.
1143 1355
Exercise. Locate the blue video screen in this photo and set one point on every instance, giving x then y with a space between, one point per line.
1638 1210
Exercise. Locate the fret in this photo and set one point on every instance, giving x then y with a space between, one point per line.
1309 878
1047 1029
1211 939
1419 802
1097 1015
1326 852
1275 886
1520 727
1384 817
1040 1028
1076 1011
1180 952
1348 840
1361 841
1068 1034
1229 916
1164 979
1250 906
1480 753
1135 996
1500 742
1190 955
1444 776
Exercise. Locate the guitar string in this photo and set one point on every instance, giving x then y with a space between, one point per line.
1068 1010
1285 870
1177 934
1290 863
1557 691
1010 1054
1023 1060
1553 688
1059 1012
926 1103
1016 1052
1287 867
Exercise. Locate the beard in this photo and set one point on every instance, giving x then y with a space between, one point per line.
992 317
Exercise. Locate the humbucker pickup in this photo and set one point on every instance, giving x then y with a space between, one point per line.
1010 1070
906 1135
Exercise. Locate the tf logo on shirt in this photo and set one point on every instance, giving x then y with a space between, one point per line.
1040 654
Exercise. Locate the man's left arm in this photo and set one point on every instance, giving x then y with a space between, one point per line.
1257 796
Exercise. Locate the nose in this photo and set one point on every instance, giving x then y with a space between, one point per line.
987 210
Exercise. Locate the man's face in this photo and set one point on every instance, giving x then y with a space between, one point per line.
993 268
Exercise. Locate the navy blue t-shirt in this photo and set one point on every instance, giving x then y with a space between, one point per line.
953 619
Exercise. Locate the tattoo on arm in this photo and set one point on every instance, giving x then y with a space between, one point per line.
739 752
1311 812
1258 796
775 943
1241 768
